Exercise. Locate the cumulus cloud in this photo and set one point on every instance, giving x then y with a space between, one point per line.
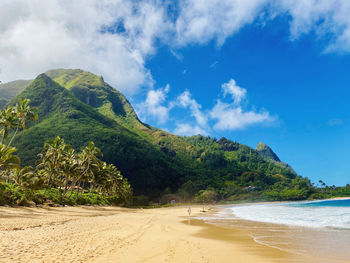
186 129
227 116
153 105
237 93
328 19
110 38
230 117
202 21
185 100
115 38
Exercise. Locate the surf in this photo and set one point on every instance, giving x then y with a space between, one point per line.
314 214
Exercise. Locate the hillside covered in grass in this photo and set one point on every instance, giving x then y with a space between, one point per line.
11 89
80 107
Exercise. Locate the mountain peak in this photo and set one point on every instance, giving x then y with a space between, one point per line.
69 78
95 92
80 107
267 152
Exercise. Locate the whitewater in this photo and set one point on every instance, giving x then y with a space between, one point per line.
315 214
311 228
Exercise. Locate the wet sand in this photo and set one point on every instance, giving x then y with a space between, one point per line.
298 244
110 234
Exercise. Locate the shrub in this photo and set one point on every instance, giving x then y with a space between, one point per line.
140 200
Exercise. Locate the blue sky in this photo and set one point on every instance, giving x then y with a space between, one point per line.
304 89
252 71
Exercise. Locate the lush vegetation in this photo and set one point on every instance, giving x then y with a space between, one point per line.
61 175
80 107
11 89
236 172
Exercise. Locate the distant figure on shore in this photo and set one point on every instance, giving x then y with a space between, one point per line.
189 211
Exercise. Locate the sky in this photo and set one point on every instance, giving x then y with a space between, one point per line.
252 71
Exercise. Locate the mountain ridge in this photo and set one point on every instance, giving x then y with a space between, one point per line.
79 106
267 152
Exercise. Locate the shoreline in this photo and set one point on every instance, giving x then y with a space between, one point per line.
336 198
308 244
113 234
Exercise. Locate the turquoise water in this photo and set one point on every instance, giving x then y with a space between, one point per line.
317 228
324 203
314 214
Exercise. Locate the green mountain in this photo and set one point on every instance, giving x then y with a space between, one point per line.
80 107
266 152
10 89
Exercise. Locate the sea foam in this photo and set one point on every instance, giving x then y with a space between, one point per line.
320 214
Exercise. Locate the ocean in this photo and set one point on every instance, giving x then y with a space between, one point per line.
316 214
319 229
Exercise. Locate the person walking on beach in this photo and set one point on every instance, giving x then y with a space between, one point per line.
189 215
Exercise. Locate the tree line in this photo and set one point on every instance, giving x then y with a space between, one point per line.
60 169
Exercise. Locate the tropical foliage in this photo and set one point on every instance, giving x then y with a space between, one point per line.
64 169
80 107
60 171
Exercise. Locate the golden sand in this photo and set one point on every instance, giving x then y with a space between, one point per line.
110 234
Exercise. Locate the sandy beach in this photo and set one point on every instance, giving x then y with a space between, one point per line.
110 234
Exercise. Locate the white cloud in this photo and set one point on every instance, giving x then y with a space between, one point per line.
306 14
195 120
40 35
200 126
152 106
230 117
155 106
237 93
187 129
185 100
328 19
114 38
202 21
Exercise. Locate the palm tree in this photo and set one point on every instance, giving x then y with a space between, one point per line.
114 178
70 168
8 161
26 178
52 160
24 113
8 120
111 182
88 164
